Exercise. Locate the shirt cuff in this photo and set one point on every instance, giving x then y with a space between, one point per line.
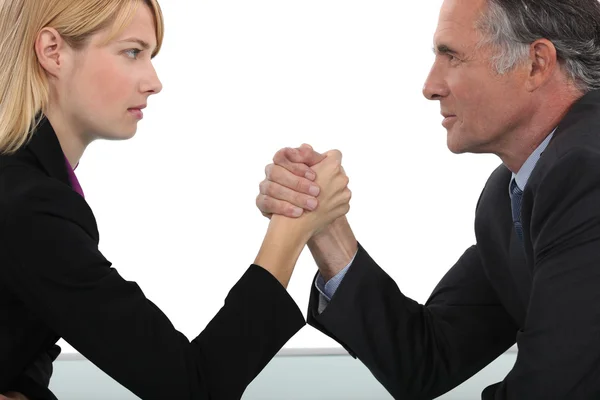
327 289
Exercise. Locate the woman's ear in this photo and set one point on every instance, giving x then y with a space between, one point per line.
50 49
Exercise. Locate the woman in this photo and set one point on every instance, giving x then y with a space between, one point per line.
83 70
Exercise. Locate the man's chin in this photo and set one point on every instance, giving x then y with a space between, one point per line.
455 146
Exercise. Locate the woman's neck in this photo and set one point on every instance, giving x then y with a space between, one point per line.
71 141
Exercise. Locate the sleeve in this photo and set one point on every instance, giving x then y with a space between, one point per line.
417 351
63 277
559 343
328 289
34 382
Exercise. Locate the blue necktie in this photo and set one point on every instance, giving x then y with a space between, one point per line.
515 202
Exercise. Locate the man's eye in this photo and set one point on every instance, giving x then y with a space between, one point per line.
453 59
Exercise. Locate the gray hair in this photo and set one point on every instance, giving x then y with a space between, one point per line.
573 26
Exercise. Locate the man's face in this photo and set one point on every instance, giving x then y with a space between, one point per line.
482 108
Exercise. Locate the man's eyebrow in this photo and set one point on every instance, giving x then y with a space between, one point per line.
141 42
443 49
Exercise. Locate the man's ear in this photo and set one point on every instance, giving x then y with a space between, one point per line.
50 49
542 61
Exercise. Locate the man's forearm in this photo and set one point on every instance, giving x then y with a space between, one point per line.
333 247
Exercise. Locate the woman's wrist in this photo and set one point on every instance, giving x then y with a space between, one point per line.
281 248
292 230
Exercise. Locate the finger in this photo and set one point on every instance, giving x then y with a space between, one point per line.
284 177
282 158
306 145
280 192
347 193
269 205
336 154
305 155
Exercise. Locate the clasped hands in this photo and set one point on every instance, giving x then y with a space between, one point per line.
304 184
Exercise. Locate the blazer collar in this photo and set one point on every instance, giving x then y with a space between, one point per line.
46 149
584 109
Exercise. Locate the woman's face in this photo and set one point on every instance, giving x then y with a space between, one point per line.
103 86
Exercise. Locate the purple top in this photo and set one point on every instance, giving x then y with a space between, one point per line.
73 179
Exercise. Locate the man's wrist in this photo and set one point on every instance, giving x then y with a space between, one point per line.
333 247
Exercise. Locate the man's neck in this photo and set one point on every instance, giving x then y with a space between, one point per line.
517 146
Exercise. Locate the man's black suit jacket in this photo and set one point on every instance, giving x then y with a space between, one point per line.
545 294
55 283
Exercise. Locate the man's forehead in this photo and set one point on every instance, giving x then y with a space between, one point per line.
460 14
457 37
457 25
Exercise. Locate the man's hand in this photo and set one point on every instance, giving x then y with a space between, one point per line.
334 197
289 188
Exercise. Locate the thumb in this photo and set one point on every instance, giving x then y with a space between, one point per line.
335 154
305 155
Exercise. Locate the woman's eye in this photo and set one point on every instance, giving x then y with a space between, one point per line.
133 53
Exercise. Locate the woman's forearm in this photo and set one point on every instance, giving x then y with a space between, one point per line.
281 247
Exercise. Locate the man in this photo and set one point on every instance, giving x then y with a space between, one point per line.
518 79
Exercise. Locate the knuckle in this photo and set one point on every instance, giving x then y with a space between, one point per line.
260 202
269 189
262 187
277 192
279 156
296 199
300 200
289 210
302 151
268 170
304 186
277 174
298 169
337 166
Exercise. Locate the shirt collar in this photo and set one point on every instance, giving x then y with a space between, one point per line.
73 178
524 173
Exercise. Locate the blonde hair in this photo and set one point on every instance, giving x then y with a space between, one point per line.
24 89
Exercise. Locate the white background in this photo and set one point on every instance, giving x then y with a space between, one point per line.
176 205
